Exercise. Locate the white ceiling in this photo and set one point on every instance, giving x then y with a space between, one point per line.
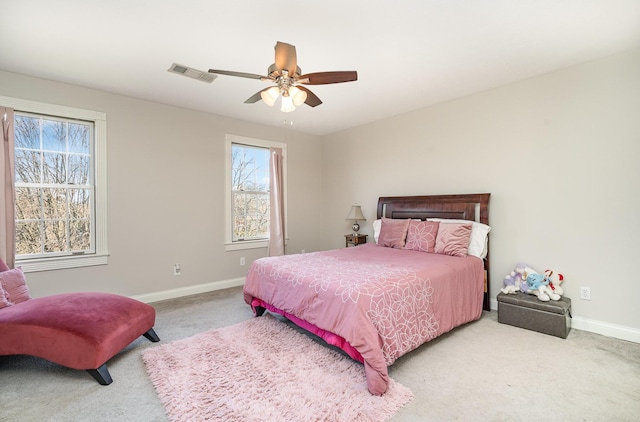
408 54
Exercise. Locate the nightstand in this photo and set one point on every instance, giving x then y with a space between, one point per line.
354 239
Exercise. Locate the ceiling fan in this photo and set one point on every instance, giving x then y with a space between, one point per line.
289 80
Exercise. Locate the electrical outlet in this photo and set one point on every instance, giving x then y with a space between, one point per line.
302 251
242 261
585 293
176 269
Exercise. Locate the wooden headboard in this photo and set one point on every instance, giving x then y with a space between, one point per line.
474 207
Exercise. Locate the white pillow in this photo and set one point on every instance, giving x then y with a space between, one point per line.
377 225
479 236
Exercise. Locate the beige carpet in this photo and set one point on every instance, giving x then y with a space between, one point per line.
261 369
482 371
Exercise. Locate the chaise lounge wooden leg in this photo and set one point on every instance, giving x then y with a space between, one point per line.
101 375
151 335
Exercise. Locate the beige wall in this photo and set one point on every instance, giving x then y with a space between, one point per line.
559 155
166 193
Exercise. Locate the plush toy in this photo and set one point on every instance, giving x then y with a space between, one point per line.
555 280
525 279
545 286
515 281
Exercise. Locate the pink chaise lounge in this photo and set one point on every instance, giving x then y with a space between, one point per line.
78 330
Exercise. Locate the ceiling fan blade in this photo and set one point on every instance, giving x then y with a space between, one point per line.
286 58
240 74
312 99
255 97
322 78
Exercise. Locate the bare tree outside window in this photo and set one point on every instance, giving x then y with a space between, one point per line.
250 192
54 191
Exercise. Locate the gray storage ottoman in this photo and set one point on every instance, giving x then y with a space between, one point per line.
527 311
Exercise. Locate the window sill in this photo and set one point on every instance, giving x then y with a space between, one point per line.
47 264
249 244
246 244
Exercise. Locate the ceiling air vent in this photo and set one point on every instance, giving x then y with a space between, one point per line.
191 73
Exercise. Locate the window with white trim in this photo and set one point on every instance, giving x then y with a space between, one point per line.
60 185
247 191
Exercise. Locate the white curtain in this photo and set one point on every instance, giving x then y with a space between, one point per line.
7 211
276 197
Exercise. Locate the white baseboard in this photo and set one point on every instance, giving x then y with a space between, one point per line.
190 290
606 329
598 327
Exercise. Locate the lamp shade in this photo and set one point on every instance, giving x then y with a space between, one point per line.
299 96
269 96
287 104
356 214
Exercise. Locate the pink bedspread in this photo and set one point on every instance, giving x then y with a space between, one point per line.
384 302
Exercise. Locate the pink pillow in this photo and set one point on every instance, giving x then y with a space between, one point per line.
393 233
4 300
15 285
453 239
421 236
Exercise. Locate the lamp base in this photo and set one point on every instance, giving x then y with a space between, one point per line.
355 227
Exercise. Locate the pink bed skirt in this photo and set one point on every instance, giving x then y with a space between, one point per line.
329 337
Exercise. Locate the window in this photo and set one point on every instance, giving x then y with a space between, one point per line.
54 186
248 191
60 188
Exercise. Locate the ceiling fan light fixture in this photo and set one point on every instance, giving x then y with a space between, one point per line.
299 96
287 104
269 96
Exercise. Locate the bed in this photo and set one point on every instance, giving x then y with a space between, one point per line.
425 274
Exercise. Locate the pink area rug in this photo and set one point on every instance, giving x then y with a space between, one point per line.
262 369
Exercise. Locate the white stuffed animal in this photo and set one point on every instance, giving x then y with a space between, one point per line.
516 280
555 280
545 286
